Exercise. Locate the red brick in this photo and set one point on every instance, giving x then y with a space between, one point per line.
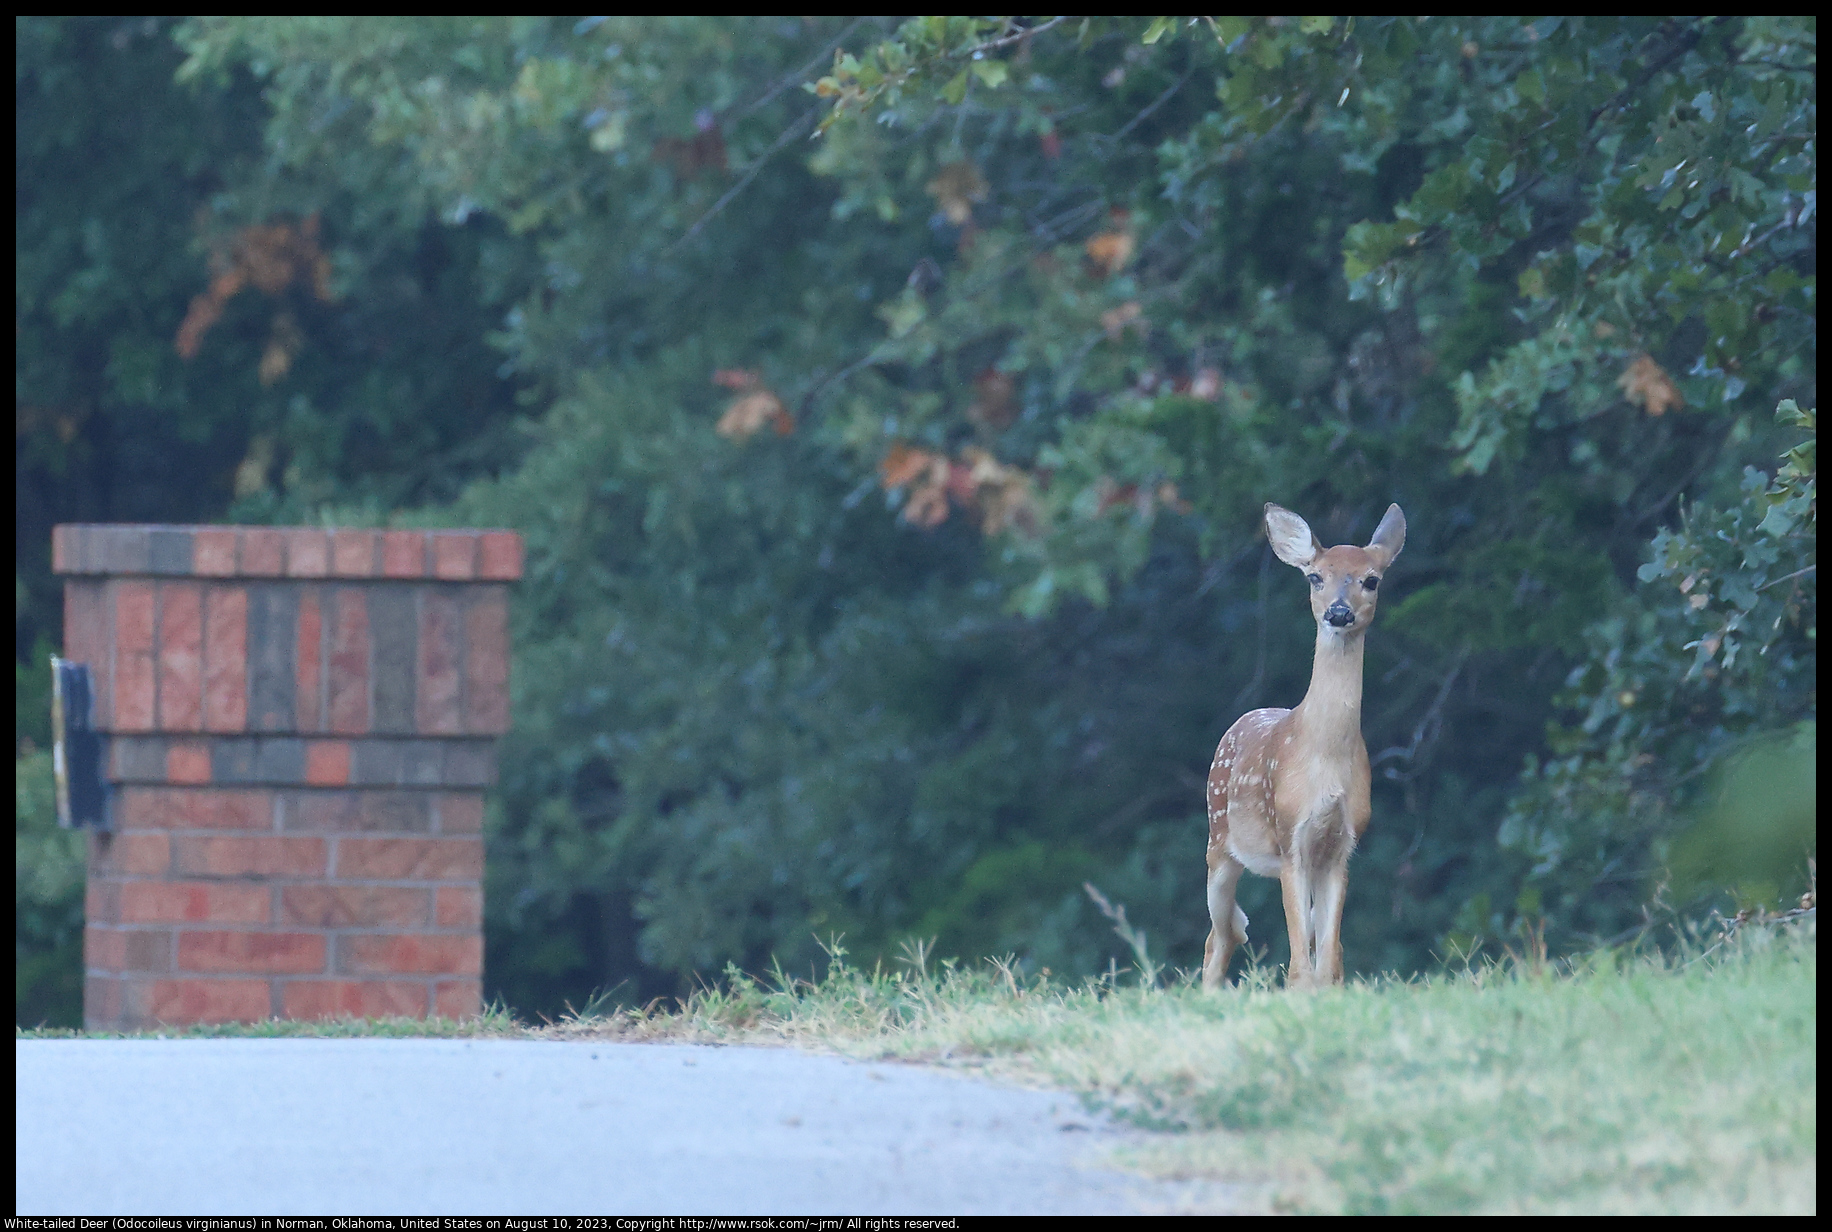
308 552
226 659
134 683
159 808
102 1001
181 649
458 998
353 906
308 662
63 549
327 763
353 553
434 954
271 953
187 762
500 553
213 551
436 672
127 949
354 999
486 664
263 552
454 555
131 855
265 856
403 553
349 674
86 639
410 859
188 902
104 949
458 907
102 901
461 813
181 1001
345 812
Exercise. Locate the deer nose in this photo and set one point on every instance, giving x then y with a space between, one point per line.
1339 615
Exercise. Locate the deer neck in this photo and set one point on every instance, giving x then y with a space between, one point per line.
1329 717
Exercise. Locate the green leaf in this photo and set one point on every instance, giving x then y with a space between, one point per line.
991 72
1316 25
956 90
1227 29
1158 28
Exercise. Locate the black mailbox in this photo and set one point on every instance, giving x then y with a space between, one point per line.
77 749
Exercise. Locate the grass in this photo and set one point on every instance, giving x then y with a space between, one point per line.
1615 1083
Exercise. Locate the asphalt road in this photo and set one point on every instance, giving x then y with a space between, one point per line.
488 1127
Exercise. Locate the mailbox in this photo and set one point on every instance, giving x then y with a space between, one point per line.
76 749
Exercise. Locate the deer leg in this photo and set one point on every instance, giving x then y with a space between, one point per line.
1294 879
1227 922
1327 914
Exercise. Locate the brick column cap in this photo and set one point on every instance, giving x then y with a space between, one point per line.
117 550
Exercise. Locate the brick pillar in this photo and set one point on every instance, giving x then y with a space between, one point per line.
301 725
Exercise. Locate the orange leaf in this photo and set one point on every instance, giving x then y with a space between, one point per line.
746 415
1109 251
1647 385
902 465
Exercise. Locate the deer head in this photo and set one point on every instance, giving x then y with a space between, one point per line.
1344 581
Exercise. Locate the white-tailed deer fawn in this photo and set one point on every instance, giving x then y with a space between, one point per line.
1288 794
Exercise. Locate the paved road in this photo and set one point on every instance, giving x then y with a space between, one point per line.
513 1127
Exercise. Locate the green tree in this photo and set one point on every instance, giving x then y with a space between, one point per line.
897 402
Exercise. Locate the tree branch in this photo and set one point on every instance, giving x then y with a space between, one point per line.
1008 40
801 125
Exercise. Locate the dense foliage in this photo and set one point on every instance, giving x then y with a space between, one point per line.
889 408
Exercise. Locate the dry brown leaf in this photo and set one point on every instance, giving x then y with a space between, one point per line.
283 342
1206 384
688 156
903 465
928 505
1647 385
737 378
1115 320
271 256
1172 498
1109 251
956 188
748 414
959 483
1005 499
1111 494
995 402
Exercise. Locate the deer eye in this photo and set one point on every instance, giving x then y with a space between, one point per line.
1316 579
1370 582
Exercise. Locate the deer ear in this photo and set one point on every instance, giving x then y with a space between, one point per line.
1389 536
1290 537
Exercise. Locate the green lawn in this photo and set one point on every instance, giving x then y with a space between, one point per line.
1644 1084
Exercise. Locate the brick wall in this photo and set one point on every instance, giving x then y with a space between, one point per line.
301 725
